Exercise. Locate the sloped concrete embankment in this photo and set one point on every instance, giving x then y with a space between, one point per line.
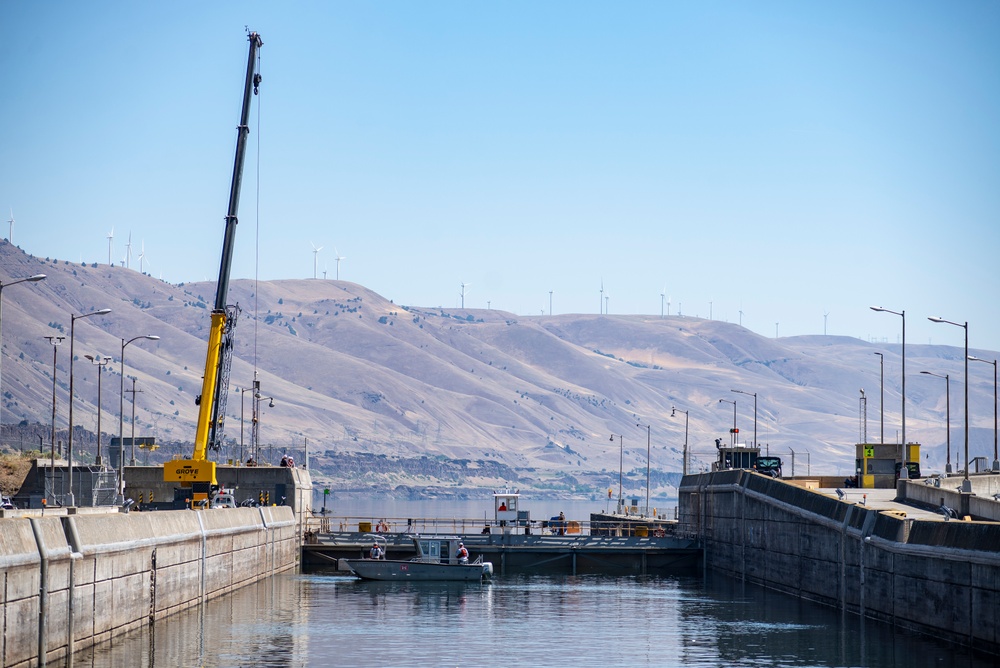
127 570
935 577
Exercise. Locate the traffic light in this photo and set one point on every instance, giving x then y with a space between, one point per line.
734 431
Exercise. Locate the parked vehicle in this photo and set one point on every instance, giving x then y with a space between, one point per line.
769 466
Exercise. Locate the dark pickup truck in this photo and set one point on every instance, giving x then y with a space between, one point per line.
768 466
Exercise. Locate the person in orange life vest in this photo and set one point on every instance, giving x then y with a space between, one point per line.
462 554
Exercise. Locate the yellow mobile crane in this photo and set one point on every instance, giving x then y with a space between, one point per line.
197 475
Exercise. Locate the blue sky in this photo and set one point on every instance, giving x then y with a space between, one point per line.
795 161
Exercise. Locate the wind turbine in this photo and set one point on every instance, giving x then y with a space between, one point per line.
128 252
142 255
601 304
338 259
824 322
663 296
668 306
324 272
315 257
464 286
111 241
10 234
607 299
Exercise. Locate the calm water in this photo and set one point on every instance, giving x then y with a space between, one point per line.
335 620
328 619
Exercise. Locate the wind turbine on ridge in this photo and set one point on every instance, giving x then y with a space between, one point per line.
315 257
128 252
142 256
464 286
663 296
338 259
600 311
111 242
10 233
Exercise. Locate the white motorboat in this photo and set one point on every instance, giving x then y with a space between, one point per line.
437 559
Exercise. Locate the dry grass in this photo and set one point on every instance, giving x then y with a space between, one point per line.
13 470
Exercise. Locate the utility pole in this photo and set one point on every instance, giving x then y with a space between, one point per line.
133 391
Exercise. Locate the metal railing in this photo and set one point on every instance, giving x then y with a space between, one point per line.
346 524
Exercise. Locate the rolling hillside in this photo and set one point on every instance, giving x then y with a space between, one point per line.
385 395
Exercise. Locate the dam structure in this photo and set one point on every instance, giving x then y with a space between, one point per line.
79 576
924 557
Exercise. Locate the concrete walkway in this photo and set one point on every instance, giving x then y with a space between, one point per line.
882 499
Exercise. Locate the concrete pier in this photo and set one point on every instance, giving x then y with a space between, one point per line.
73 580
903 565
569 554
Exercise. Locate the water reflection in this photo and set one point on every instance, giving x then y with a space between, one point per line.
321 619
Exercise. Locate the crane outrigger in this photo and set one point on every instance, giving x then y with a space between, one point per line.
197 475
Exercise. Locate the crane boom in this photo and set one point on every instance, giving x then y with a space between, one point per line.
198 471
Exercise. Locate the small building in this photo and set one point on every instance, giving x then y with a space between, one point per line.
507 513
878 465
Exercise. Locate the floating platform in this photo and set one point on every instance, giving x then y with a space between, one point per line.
519 553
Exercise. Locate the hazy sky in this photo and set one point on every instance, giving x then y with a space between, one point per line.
796 161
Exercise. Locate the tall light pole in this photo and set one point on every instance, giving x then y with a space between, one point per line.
754 395
55 341
255 436
881 400
621 466
903 471
242 392
132 438
29 279
732 432
72 329
947 403
647 465
966 483
100 362
996 461
673 413
120 496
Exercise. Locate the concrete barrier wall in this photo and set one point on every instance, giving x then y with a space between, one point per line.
127 570
936 577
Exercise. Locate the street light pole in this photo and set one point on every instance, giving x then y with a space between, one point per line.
29 279
621 466
754 395
647 465
120 496
72 330
996 461
673 412
903 471
100 362
947 423
133 391
881 400
55 341
966 483
732 434
242 392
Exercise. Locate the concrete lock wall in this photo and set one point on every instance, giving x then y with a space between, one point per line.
127 570
940 578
